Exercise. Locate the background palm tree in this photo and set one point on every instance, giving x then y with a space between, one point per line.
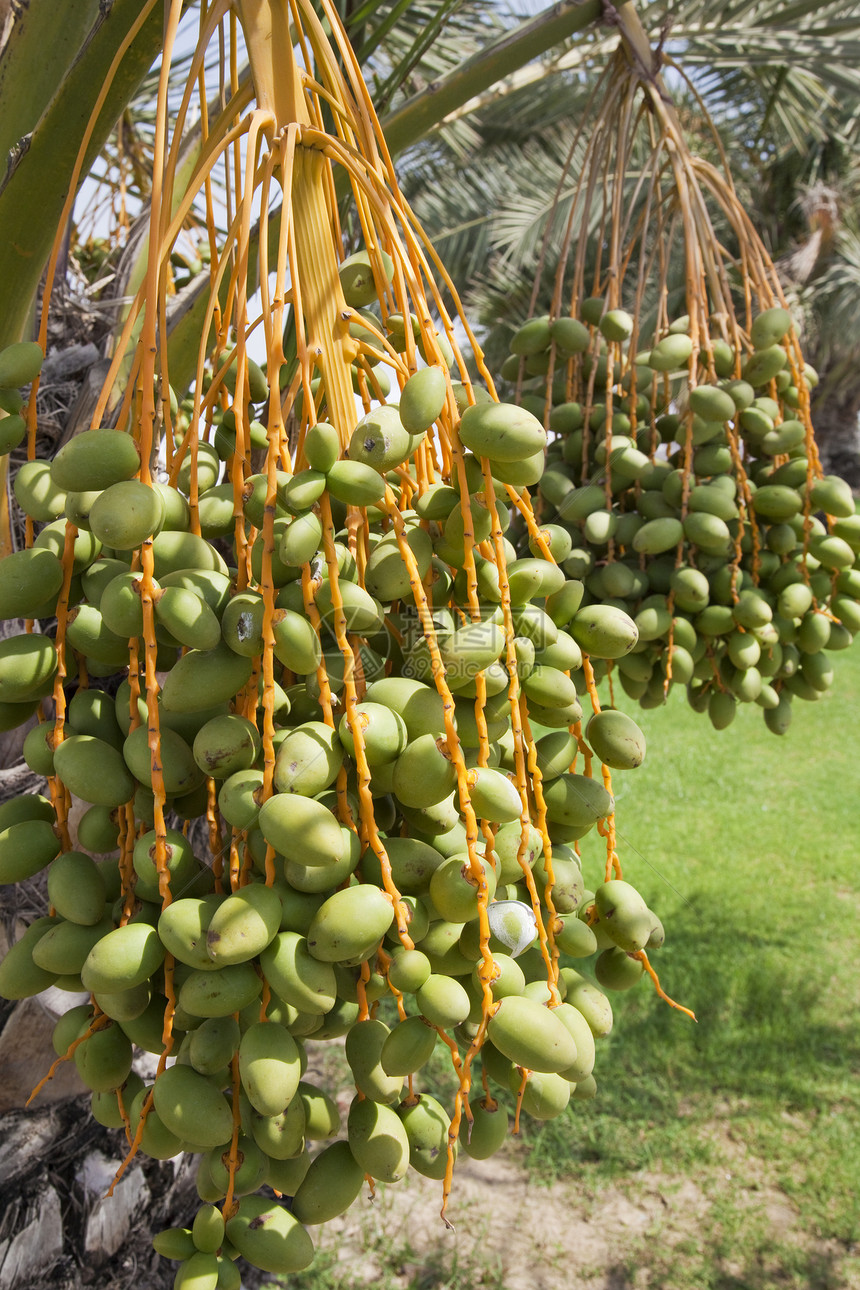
781 84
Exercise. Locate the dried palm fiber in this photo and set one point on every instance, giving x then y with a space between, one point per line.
684 463
276 671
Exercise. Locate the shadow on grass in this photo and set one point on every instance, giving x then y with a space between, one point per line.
395 1265
768 1036
784 1268
812 1271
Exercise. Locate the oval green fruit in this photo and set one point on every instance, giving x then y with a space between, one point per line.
322 1118
94 771
322 446
13 429
296 976
386 575
76 888
125 1005
493 796
20 363
200 1272
126 957
219 992
188 618
281 1137
501 431
269 1067
443 1001
483 1135
427 1126
573 1021
25 849
616 970
28 580
202 679
624 915
531 1036
712 404
616 739
27 806
296 643
308 760
364 1045
423 773
408 969
193 1108
422 399
20 977
359 274
173 1243
378 1140
27 663
95 460
269 1237
763 365
590 1002
408 1047
302 828
769 327
532 337
833 495
574 937
286 1176
180 772
214 1044
37 494
380 440
776 502
126 514
469 650
65 947
671 353
104 1059
243 925
549 687
208 1229
226 744
330 1186
577 801
182 929
545 1096
604 631
355 483
350 924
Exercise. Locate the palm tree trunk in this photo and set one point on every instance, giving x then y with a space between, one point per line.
835 413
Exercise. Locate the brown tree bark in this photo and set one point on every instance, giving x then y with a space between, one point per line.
835 413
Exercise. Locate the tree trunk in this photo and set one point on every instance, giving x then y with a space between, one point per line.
58 1229
835 412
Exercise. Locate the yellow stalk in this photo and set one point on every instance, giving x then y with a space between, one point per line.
324 339
7 545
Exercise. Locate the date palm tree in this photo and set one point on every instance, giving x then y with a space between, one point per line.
479 107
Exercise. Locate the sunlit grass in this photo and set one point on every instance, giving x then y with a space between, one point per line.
746 846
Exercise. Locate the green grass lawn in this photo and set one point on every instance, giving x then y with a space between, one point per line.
746 846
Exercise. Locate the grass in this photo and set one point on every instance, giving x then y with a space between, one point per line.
746 845
389 1262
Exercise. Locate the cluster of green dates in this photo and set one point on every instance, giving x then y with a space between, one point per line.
682 491
20 364
307 947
